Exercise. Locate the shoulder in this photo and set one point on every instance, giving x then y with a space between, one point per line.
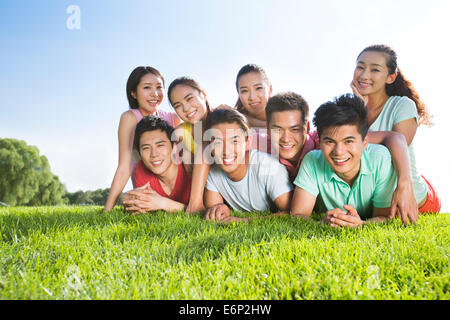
377 151
263 159
378 157
401 103
128 116
314 156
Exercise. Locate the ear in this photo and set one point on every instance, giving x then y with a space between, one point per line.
133 94
249 141
270 90
366 142
391 78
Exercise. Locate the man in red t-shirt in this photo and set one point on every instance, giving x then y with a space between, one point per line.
162 183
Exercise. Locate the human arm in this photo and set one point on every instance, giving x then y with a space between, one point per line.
216 208
350 217
302 203
127 126
404 202
282 203
199 175
144 200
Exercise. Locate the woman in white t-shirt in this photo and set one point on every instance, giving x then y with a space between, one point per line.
394 105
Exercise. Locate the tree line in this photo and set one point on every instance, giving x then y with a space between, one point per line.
26 179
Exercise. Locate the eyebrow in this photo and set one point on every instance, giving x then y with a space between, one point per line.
346 138
373 64
294 126
157 142
256 84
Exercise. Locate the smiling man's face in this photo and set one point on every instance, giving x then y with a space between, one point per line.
342 148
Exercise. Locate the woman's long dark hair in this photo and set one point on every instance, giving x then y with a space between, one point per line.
401 86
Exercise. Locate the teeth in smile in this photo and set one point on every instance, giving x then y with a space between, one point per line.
227 160
156 162
340 160
286 146
191 114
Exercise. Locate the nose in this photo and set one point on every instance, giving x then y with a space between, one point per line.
154 152
339 149
251 94
364 73
284 135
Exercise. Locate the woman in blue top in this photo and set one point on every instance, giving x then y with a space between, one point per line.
393 105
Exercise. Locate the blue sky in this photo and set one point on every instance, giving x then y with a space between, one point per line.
64 90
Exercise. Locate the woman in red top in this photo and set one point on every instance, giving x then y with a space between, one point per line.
163 183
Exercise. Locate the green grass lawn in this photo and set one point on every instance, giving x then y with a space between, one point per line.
80 253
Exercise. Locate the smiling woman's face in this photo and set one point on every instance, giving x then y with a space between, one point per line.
254 92
371 73
189 103
149 93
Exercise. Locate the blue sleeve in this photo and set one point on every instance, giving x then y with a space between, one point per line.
386 182
405 109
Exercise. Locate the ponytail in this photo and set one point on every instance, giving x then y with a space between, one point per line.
403 87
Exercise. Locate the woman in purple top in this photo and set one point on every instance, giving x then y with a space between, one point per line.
145 92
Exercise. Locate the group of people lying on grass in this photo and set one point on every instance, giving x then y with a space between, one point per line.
358 166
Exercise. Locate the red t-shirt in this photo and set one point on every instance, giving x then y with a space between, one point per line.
181 190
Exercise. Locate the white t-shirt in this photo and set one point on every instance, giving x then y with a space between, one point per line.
266 180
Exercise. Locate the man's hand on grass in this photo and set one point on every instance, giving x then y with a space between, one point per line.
340 218
142 200
217 212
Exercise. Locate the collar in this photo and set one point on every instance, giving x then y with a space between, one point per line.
365 169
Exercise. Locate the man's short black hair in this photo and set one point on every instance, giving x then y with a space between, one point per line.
347 109
151 123
219 116
287 101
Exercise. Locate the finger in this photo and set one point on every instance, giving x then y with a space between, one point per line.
351 210
340 222
404 217
208 214
393 210
344 217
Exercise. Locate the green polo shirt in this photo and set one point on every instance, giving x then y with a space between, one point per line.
374 186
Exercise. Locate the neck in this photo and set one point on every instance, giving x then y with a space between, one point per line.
377 100
145 113
169 177
241 170
350 177
294 160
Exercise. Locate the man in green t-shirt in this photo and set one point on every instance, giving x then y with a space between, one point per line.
352 181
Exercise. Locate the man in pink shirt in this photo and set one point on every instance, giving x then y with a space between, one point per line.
287 121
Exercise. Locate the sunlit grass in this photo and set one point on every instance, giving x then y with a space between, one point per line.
82 253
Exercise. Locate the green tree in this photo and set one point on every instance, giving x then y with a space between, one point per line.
25 176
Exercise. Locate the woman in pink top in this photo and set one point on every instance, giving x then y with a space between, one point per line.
145 92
